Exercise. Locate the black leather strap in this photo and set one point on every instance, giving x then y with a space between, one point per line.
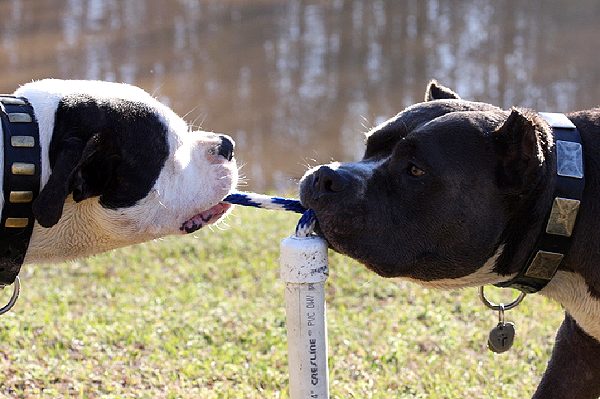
21 185
551 246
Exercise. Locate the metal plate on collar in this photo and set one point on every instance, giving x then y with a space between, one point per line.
16 223
22 141
20 197
562 216
544 265
19 117
20 168
556 119
11 100
569 159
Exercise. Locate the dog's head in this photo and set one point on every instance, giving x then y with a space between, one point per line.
119 167
440 190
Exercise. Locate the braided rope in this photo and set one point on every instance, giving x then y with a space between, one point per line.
306 224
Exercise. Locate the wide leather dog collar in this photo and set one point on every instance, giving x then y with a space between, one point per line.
555 240
21 183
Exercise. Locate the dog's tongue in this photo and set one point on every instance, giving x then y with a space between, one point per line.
202 219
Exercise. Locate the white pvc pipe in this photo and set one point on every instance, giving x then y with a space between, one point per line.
304 271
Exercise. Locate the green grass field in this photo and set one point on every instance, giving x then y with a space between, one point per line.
203 317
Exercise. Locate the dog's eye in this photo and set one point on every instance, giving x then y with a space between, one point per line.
415 171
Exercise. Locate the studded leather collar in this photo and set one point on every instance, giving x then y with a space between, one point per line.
21 183
554 242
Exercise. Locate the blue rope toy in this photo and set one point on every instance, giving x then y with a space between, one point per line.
305 225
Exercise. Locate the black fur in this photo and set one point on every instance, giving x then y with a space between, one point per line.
111 148
436 91
399 225
574 369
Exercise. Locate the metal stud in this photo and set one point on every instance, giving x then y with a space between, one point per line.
562 216
19 168
19 117
544 265
22 141
12 101
558 120
17 223
569 159
20 197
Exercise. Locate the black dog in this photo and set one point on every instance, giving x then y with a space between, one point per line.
453 193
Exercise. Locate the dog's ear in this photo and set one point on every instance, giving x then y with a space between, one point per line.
519 145
95 170
436 91
81 168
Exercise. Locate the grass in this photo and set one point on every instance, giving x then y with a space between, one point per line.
203 317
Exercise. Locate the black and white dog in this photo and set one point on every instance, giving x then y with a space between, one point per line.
453 193
119 168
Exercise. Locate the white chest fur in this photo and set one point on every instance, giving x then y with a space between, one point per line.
571 290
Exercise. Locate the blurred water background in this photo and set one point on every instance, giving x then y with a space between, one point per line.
298 82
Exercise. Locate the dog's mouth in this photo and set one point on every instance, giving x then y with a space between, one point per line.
205 218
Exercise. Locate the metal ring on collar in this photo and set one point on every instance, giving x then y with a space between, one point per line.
13 298
501 306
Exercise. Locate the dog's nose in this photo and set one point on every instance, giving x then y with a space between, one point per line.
328 181
226 147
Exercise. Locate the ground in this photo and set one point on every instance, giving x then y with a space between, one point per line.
203 317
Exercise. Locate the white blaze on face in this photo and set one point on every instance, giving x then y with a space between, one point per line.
364 170
193 180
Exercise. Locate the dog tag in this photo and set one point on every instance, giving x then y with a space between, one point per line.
501 337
